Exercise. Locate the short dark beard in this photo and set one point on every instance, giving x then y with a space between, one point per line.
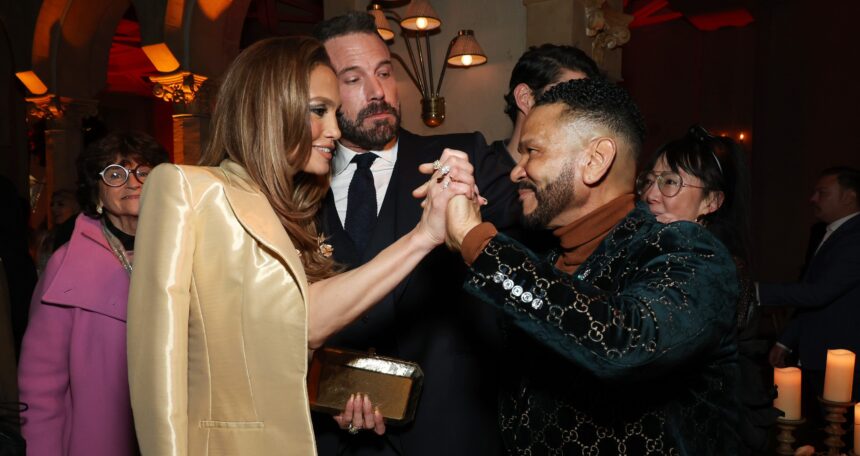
375 137
552 200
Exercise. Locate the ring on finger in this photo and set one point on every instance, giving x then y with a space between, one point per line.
445 170
446 183
352 429
436 165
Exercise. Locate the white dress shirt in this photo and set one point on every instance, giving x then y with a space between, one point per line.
343 169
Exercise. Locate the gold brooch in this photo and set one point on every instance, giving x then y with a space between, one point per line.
325 249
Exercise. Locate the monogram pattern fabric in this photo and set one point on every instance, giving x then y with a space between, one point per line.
633 354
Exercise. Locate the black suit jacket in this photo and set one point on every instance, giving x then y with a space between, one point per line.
428 318
827 299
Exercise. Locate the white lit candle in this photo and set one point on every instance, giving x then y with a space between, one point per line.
787 381
839 375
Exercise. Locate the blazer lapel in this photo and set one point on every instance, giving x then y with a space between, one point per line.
850 226
406 178
344 249
256 215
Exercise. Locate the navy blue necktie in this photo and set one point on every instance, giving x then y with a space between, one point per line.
361 202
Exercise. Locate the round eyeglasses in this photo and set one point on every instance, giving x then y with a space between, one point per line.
668 182
117 175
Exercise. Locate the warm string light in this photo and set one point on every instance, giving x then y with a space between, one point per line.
421 23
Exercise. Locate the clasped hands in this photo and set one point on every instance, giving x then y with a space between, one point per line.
452 203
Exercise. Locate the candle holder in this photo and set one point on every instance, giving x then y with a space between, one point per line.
835 418
786 435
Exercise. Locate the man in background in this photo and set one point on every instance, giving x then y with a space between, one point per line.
538 69
827 299
427 319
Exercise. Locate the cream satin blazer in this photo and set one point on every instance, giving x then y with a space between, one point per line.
217 320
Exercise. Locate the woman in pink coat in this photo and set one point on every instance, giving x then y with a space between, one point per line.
73 373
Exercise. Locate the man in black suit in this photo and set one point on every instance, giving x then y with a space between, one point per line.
827 299
426 319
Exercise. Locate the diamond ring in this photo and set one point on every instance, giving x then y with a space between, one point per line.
445 170
352 429
436 165
446 183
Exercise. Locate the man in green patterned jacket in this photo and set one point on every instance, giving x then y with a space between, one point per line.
622 341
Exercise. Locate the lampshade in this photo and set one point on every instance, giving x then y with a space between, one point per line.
382 25
465 50
32 82
420 16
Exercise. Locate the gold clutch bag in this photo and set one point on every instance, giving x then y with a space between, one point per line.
392 384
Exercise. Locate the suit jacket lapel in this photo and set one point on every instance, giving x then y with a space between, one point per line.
850 226
410 154
344 249
256 215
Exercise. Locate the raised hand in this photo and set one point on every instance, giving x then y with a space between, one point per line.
462 215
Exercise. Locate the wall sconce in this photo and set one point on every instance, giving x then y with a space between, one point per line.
420 19
32 82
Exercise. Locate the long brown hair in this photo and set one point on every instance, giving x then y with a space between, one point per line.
261 121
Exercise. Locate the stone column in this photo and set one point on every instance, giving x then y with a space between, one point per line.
598 27
63 144
191 106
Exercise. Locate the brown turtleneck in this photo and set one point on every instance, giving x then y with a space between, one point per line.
578 239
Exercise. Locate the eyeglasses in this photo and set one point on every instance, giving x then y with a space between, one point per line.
669 183
117 175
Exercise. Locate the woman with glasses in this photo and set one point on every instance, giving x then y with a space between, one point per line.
701 178
73 370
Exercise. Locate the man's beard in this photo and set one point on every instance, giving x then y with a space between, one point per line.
552 200
375 137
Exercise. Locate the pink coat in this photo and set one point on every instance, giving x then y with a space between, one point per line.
73 370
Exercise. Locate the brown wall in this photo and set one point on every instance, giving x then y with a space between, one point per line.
783 81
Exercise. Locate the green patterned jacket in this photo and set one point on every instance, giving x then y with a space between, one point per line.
633 354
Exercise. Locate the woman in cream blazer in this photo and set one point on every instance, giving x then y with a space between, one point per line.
221 313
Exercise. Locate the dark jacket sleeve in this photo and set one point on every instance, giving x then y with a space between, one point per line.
839 274
791 335
677 301
492 176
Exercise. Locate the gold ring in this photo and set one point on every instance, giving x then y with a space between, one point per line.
436 165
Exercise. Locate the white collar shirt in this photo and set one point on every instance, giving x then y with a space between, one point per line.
343 169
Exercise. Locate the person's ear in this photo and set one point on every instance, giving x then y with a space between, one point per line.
713 202
598 160
524 97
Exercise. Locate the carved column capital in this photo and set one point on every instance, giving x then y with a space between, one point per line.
44 107
607 26
178 87
57 109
